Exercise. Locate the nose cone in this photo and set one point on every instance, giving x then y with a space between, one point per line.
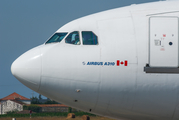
27 68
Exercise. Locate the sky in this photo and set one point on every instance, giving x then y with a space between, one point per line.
25 24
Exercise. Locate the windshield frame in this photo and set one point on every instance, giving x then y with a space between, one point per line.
50 40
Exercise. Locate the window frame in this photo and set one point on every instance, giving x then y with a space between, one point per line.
89 44
53 35
79 34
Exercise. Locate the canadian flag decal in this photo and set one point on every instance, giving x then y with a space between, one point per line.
125 63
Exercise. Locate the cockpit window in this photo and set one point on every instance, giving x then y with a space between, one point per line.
89 38
73 38
57 37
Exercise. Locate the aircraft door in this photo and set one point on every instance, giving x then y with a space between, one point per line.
163 42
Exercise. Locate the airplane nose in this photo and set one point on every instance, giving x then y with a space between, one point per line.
27 68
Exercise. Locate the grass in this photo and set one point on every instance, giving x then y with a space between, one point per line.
52 114
56 118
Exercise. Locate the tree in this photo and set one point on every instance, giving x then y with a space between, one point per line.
40 97
34 108
51 102
69 109
35 100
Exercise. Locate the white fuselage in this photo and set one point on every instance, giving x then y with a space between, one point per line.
109 79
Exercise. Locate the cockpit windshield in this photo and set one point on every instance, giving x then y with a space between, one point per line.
57 37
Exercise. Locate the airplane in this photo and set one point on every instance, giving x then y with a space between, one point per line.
121 63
